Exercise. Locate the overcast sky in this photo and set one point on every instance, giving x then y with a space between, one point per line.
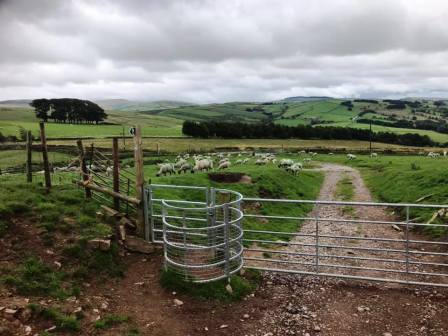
214 51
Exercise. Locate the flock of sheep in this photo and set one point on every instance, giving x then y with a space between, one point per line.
183 163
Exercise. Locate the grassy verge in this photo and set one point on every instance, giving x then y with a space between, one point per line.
60 220
345 191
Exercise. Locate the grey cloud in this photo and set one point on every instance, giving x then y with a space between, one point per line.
222 50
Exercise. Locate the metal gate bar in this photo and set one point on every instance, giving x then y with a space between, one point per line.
316 241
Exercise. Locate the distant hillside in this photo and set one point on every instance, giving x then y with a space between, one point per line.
15 103
136 106
305 98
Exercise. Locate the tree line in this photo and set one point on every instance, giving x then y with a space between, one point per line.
237 130
68 110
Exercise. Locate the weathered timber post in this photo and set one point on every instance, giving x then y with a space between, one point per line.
139 180
43 140
116 172
82 163
29 168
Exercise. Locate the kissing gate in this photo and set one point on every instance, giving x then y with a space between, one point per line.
210 234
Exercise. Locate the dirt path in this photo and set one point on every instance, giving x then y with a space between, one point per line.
327 306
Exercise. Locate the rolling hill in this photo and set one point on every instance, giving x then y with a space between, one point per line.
164 118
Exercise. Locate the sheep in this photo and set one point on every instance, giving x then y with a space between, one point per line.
166 168
246 160
223 160
373 155
351 156
179 163
202 165
295 168
239 161
260 162
433 155
445 153
306 160
109 171
184 168
285 163
224 165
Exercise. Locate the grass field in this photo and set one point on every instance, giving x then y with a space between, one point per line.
13 158
11 119
176 145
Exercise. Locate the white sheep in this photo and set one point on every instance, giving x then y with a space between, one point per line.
260 162
285 163
185 167
166 168
246 160
373 155
224 165
295 168
203 165
433 155
179 163
239 161
351 156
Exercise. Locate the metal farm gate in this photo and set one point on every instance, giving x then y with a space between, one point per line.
210 233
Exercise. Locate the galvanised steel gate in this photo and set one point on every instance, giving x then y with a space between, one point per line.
204 232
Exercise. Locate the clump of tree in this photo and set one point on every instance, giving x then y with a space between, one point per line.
369 101
68 110
229 130
348 104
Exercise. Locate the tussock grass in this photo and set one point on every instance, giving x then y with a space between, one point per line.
216 290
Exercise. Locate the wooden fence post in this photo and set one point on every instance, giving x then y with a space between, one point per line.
116 172
29 167
43 140
139 180
82 162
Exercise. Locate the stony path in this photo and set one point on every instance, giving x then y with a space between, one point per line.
308 305
333 174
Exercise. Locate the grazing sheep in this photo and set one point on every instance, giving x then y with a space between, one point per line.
202 165
239 161
285 163
433 155
295 168
351 156
166 168
179 163
109 171
330 154
223 160
184 168
260 162
224 165
246 160
373 155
